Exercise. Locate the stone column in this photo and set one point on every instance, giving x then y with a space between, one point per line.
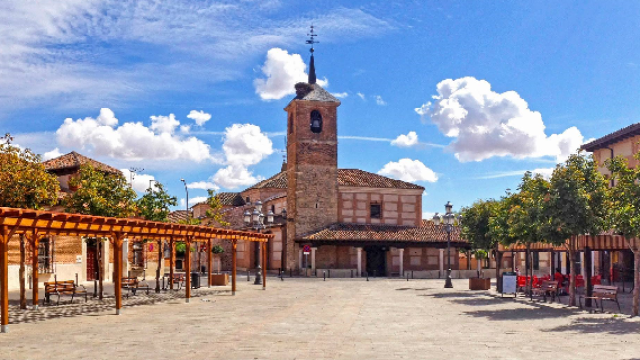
441 261
300 258
359 258
401 254
313 259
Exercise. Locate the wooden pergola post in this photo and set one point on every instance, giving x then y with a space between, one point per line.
4 279
117 259
101 252
159 265
188 269
34 241
172 248
587 275
21 275
234 246
209 263
264 267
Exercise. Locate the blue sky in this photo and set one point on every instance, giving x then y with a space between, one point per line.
518 85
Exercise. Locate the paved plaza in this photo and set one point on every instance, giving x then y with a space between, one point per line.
314 319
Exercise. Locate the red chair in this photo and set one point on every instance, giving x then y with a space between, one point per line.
536 282
596 280
579 281
522 282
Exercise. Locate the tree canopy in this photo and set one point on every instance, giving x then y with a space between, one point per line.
24 182
101 194
154 204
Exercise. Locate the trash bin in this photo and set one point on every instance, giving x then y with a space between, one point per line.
195 280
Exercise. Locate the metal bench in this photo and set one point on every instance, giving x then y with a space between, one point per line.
132 285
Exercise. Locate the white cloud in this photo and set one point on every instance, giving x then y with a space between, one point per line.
162 124
185 129
485 123
141 182
341 95
200 117
132 141
545 172
51 154
380 101
361 96
203 185
231 177
411 139
244 145
283 71
408 170
193 201
54 51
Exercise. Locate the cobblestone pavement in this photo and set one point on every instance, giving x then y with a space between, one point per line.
336 319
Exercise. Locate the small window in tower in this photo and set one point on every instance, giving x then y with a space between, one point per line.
375 211
316 121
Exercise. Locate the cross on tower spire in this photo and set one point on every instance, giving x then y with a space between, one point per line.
312 68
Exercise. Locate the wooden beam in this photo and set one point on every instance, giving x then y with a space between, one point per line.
117 260
233 266
35 240
209 263
171 257
4 280
264 266
160 259
21 276
187 279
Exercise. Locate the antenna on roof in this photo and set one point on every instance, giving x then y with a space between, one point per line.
133 171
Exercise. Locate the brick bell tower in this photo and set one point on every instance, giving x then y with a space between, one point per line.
312 161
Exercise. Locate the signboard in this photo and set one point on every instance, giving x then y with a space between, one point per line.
306 249
509 283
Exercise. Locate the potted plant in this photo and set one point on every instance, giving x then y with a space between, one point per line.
480 283
218 279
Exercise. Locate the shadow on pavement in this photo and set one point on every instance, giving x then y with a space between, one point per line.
80 308
535 312
610 325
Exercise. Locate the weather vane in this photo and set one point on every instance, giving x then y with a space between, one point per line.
312 39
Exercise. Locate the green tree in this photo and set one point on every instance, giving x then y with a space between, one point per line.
101 194
624 214
154 204
476 229
24 182
577 205
527 214
215 209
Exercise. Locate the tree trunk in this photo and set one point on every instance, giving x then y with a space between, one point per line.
636 279
23 290
572 274
498 277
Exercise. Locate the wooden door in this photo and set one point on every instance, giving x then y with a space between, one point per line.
92 261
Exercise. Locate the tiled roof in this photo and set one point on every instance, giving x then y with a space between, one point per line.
346 177
614 137
230 198
361 178
428 232
177 216
74 160
317 93
277 181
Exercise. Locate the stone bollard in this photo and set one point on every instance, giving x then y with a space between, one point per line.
324 274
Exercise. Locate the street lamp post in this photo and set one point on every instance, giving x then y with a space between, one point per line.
256 221
448 220
186 189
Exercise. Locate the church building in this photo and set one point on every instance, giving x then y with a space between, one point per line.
352 222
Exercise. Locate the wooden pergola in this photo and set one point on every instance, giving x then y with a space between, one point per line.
37 224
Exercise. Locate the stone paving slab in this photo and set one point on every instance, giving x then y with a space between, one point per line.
346 319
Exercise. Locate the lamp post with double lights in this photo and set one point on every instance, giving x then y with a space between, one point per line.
448 220
256 220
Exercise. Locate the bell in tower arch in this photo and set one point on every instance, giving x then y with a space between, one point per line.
316 122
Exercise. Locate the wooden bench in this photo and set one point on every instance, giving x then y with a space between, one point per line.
132 285
178 279
603 292
548 287
60 288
